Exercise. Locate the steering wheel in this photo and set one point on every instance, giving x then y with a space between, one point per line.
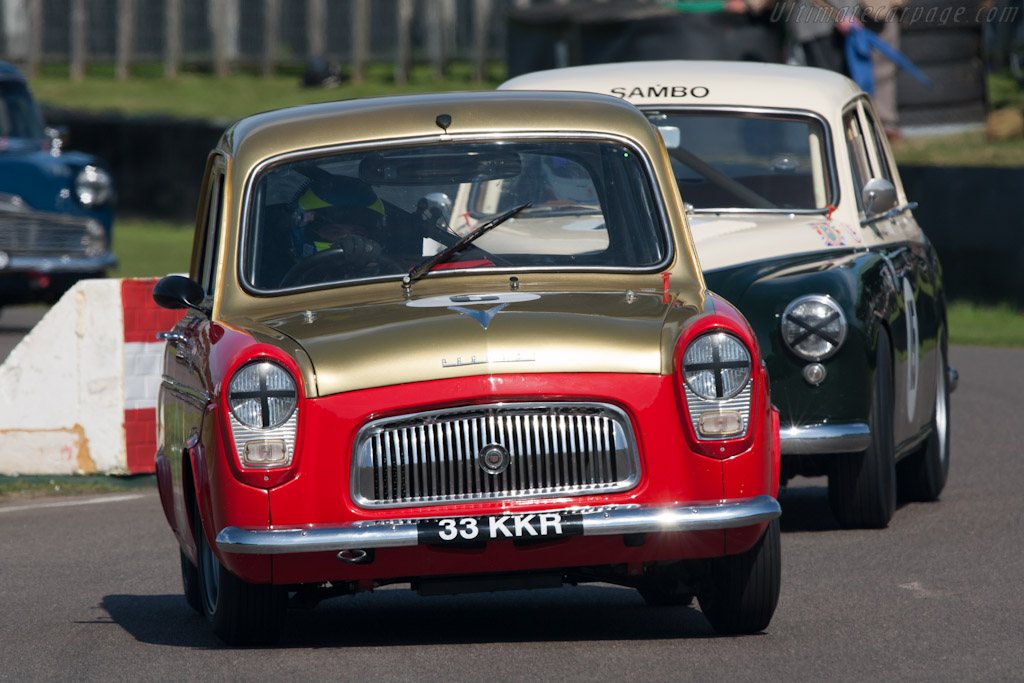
332 265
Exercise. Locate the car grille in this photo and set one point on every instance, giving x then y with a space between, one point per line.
41 234
538 449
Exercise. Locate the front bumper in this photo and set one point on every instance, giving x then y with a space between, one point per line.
825 439
597 522
10 264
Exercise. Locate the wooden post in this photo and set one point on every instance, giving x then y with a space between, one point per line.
219 26
172 38
403 51
481 23
79 46
271 21
360 38
441 28
316 27
35 38
125 37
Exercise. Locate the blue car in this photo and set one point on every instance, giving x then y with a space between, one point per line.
56 206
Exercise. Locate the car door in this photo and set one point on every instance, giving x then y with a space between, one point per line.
185 387
913 324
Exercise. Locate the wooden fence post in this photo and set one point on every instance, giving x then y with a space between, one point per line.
271 21
316 27
360 38
79 46
125 37
481 23
403 50
172 38
35 38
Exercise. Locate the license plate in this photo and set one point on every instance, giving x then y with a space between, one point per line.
537 525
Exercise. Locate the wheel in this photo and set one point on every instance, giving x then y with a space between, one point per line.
741 591
238 612
666 586
862 486
923 474
190 583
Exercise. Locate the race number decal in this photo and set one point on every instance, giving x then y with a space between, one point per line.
540 525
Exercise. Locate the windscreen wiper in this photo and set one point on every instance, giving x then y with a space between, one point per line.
444 255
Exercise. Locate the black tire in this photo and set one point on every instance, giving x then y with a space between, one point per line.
239 613
923 475
741 591
190 583
862 486
666 586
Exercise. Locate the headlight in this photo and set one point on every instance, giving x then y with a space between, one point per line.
93 186
262 395
716 366
813 327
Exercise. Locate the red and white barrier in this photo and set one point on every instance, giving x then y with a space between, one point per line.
78 394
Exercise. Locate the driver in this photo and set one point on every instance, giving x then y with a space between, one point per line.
342 214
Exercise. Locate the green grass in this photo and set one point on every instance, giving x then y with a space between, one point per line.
200 95
151 248
977 325
38 486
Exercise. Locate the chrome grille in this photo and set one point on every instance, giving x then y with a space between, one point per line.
38 234
565 449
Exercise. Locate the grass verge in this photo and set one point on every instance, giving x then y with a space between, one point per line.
40 486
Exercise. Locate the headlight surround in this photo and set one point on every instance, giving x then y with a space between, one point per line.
716 366
93 186
813 327
262 395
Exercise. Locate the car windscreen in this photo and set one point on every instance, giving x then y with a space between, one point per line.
19 116
732 160
381 213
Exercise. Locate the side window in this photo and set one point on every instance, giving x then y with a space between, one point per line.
211 229
855 144
877 142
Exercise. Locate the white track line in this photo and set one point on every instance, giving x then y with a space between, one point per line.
71 503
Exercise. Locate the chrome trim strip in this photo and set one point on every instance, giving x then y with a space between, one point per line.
399 533
58 264
825 438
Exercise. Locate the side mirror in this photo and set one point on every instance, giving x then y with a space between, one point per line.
175 292
878 196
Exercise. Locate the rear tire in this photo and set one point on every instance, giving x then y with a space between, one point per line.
239 613
741 591
862 487
923 474
190 583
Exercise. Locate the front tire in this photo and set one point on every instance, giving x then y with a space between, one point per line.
239 613
190 583
923 475
741 591
862 488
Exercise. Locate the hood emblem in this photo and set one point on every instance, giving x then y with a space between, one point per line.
494 458
483 317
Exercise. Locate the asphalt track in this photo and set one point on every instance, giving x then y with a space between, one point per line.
90 590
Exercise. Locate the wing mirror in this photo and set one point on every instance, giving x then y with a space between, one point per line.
176 291
878 196
671 136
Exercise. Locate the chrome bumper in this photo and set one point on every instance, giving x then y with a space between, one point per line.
57 264
825 439
599 522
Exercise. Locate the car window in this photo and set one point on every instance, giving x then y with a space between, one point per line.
856 146
378 214
876 137
734 160
19 115
207 243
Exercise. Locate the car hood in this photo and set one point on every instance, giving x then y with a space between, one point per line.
438 337
723 241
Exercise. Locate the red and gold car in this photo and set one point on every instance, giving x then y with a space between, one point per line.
461 342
